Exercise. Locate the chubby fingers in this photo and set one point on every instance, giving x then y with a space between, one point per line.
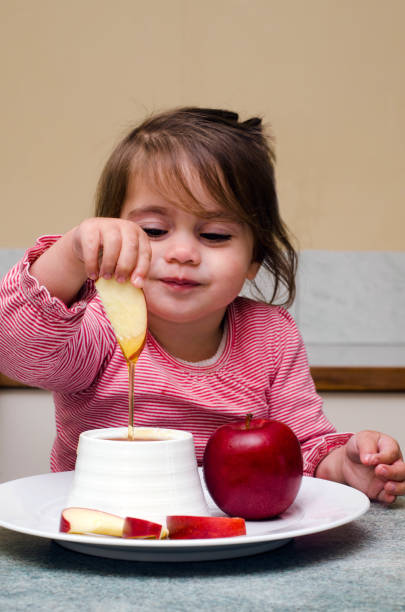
120 248
140 272
111 242
393 477
113 248
86 245
386 458
134 256
375 448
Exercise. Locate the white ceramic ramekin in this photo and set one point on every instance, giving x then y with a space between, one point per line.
145 479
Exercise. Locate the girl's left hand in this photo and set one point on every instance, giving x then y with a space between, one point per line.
372 462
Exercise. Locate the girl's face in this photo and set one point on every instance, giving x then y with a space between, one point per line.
199 264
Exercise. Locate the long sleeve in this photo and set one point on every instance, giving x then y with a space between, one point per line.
44 343
294 400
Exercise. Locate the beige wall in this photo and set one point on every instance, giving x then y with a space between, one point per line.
328 75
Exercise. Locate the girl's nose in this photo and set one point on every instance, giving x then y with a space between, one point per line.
183 250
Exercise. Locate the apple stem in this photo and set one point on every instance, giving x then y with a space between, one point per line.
248 419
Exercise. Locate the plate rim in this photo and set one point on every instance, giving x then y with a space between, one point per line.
177 545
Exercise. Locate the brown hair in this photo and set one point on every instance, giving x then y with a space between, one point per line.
234 162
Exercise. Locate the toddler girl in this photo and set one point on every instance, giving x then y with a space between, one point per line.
187 209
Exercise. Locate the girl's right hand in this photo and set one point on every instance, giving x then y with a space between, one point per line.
111 247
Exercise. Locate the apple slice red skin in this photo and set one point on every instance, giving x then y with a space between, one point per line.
64 525
112 523
142 529
204 527
253 472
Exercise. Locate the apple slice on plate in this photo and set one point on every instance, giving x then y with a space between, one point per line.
140 528
86 520
195 527
125 307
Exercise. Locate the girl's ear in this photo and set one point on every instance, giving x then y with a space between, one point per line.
253 270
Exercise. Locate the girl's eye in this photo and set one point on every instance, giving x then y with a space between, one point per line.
214 237
154 232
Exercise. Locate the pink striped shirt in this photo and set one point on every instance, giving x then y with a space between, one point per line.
73 352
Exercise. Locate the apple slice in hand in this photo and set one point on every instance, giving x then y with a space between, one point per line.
86 520
194 527
140 528
125 307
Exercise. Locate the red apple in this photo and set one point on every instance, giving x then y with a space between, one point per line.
87 520
139 528
195 527
254 468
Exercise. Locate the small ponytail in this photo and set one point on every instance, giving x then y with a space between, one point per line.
254 122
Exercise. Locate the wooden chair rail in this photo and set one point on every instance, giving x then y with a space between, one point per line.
350 378
8 382
329 378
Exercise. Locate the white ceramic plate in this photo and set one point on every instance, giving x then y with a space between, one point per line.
33 505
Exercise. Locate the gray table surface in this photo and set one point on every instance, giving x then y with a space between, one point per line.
359 566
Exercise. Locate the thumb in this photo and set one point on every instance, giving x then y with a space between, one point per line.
374 447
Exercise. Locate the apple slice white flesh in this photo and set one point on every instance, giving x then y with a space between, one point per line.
86 520
125 307
194 527
140 528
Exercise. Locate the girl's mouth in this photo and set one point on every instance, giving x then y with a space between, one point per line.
180 283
